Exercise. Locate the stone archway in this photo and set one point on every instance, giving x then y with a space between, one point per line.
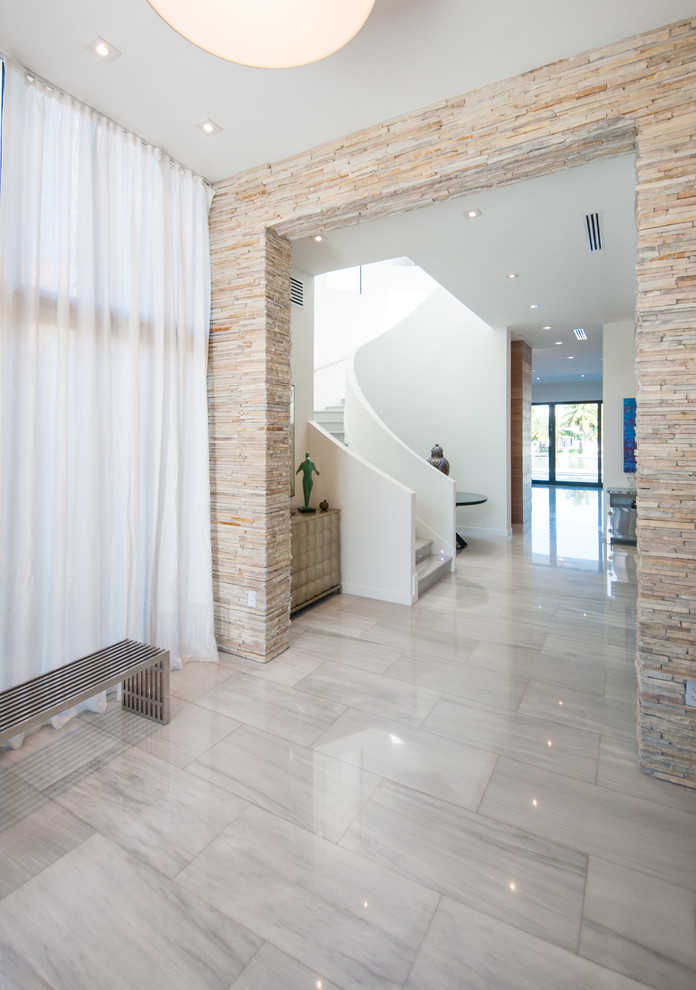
635 95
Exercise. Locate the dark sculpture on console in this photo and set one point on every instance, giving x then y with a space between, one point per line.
438 459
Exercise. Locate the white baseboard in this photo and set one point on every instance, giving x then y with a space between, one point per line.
380 594
480 531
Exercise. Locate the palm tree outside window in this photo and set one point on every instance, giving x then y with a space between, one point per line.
567 443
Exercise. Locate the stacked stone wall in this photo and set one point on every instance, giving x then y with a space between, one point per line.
637 95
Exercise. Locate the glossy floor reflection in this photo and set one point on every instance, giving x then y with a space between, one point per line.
567 527
438 797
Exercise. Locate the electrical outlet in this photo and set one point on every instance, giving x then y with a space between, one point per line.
690 699
251 599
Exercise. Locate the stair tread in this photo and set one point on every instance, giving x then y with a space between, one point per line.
431 563
430 570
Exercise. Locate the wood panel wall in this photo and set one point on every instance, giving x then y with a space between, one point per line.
520 433
635 95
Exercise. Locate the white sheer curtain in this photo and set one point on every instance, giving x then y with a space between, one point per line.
104 308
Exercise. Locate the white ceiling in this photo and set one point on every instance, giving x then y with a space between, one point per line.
535 229
411 53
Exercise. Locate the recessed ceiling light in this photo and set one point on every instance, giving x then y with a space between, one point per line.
319 238
512 275
208 127
539 379
534 305
547 328
582 376
472 214
580 333
103 50
558 342
570 357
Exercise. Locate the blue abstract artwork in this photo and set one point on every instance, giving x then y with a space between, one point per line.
629 436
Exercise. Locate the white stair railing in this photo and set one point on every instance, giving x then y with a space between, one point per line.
377 521
435 492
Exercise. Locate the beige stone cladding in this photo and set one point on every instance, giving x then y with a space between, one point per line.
637 95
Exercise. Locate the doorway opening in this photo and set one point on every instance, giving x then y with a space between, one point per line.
567 443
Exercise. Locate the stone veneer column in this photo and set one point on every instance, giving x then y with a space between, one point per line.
249 399
666 433
520 432
637 94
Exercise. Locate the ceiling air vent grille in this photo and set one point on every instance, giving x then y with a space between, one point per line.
296 291
594 234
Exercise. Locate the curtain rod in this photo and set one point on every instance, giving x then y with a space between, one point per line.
4 57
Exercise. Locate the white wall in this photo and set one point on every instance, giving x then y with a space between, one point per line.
377 550
302 371
377 547
441 376
619 351
354 306
434 491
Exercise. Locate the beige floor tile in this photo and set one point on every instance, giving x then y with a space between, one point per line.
304 786
472 684
640 925
377 807
332 910
539 742
430 764
464 948
154 810
101 918
271 969
34 832
285 711
596 820
581 709
534 884
374 693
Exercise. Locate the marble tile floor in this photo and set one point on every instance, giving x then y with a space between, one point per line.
439 797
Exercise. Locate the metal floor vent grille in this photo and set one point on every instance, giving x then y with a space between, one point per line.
296 291
594 234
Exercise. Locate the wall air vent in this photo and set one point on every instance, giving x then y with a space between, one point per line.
594 234
296 291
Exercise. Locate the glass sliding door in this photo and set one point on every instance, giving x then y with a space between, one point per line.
567 443
541 443
578 437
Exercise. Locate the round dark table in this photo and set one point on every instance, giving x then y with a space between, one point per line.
468 498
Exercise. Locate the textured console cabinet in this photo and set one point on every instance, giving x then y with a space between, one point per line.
316 561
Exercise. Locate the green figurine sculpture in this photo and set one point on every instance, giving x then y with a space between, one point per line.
306 467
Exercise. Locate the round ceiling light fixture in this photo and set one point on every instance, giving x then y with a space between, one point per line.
266 34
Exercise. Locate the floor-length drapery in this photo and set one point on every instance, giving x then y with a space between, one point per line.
104 310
